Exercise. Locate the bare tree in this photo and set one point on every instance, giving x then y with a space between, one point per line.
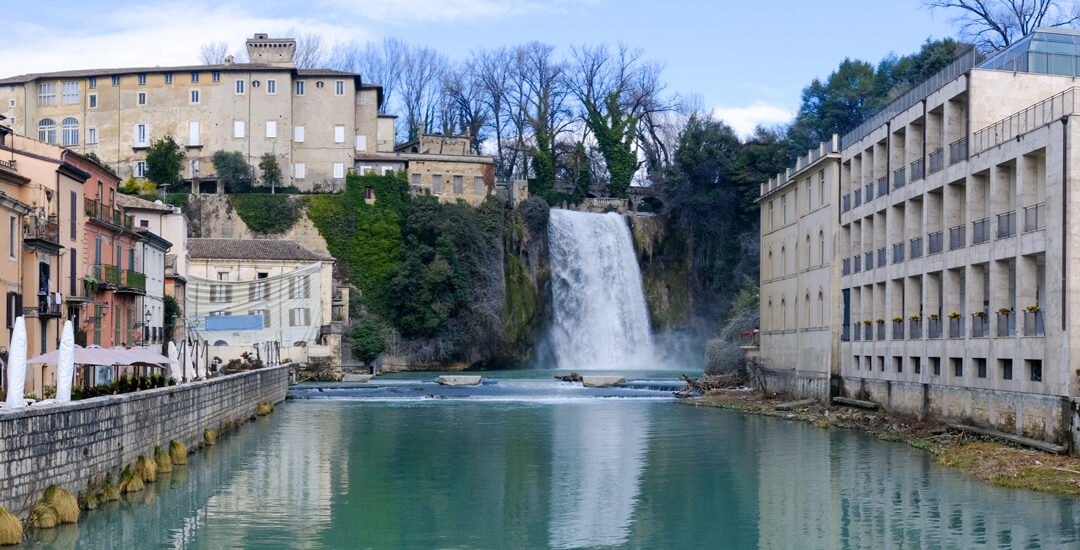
490 72
213 53
993 25
463 107
376 62
310 50
542 101
421 70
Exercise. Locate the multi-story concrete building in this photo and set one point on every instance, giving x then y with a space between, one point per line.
314 121
798 286
957 284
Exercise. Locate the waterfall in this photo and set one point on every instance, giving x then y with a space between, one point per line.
600 317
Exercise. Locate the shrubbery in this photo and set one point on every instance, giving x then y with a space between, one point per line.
123 385
265 213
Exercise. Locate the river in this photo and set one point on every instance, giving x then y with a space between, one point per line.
536 463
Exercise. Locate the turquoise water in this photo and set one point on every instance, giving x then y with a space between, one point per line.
507 466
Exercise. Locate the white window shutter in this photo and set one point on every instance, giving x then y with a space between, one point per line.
339 170
238 128
298 134
361 143
193 133
339 134
298 170
271 128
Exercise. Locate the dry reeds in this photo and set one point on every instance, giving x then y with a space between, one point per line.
164 462
264 408
130 481
11 531
56 506
146 468
109 492
209 437
177 452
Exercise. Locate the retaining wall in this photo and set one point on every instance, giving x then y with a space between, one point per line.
68 444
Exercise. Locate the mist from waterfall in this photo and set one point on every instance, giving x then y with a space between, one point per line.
600 319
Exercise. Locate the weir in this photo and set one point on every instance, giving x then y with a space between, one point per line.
600 318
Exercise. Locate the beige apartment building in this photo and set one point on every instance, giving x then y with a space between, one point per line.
314 121
958 285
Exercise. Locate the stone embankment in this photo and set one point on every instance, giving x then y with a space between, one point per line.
70 444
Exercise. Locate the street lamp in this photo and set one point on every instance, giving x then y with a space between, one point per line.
146 327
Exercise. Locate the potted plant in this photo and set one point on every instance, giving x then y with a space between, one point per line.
915 317
979 313
898 319
868 321
934 316
955 315
881 321
1033 309
1005 311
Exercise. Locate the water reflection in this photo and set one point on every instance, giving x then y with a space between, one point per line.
597 461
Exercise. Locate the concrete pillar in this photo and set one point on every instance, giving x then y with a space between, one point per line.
932 295
1026 282
954 292
913 296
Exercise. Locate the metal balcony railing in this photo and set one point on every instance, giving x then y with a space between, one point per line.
898 180
1006 324
133 279
845 333
858 263
918 168
956 327
916 247
881 332
958 151
897 252
869 262
1006 224
847 202
1040 114
980 231
39 227
915 329
957 237
980 325
935 242
1034 324
106 274
845 266
749 339
933 328
1034 217
858 197
883 186
856 332
881 259
868 193
937 160
898 330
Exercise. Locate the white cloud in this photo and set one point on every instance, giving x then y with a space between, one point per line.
745 119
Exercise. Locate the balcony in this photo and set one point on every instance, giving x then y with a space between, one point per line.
845 333
881 258
980 325
898 180
847 202
881 332
934 243
858 197
856 331
1006 224
1034 325
980 231
933 328
104 213
956 327
46 310
749 339
897 253
869 192
937 160
957 237
39 229
914 329
106 275
883 186
917 170
845 266
1035 217
958 151
869 262
916 248
858 263
1006 325
898 329
132 282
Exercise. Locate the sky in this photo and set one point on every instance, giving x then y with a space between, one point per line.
745 61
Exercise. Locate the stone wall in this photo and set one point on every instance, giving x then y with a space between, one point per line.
68 444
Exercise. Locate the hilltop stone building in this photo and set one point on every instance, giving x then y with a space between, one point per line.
949 244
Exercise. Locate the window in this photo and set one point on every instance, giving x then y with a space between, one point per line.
142 135
436 184
459 185
387 170
916 364
298 317
193 167
92 83
142 98
271 128
1035 369
91 135
319 84
298 287
361 143
219 293
298 170
298 134
935 365
240 86
265 314
478 185
216 76
97 250
69 93
957 366
339 87
93 100
119 254
193 133
238 128
898 364
255 83
415 179
258 291
70 127
299 87
47 94
131 257
13 236
142 79
194 96
366 170
194 78
1006 369
140 168
115 81
168 78
980 367
271 86
47 130
339 170
361 98
11 103
144 223
339 134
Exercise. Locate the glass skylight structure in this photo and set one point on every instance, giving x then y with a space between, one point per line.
1045 51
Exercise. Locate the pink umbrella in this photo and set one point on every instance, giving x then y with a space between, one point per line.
144 355
90 355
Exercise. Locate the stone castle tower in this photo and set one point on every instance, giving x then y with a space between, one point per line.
274 51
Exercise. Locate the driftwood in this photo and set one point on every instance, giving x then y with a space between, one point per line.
709 382
572 377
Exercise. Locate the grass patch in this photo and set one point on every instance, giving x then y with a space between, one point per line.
177 452
209 437
130 482
56 506
164 462
11 531
264 408
146 468
264 213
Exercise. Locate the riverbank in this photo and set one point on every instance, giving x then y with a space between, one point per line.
989 460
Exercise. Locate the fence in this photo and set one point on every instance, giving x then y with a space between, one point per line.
1031 118
1034 217
1006 224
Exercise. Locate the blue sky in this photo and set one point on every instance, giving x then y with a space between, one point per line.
747 61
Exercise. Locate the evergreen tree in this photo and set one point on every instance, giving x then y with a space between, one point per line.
163 162
233 171
271 172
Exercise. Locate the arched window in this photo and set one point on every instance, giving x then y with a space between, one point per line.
783 314
783 261
821 308
806 310
70 131
769 315
821 246
47 131
808 250
769 267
